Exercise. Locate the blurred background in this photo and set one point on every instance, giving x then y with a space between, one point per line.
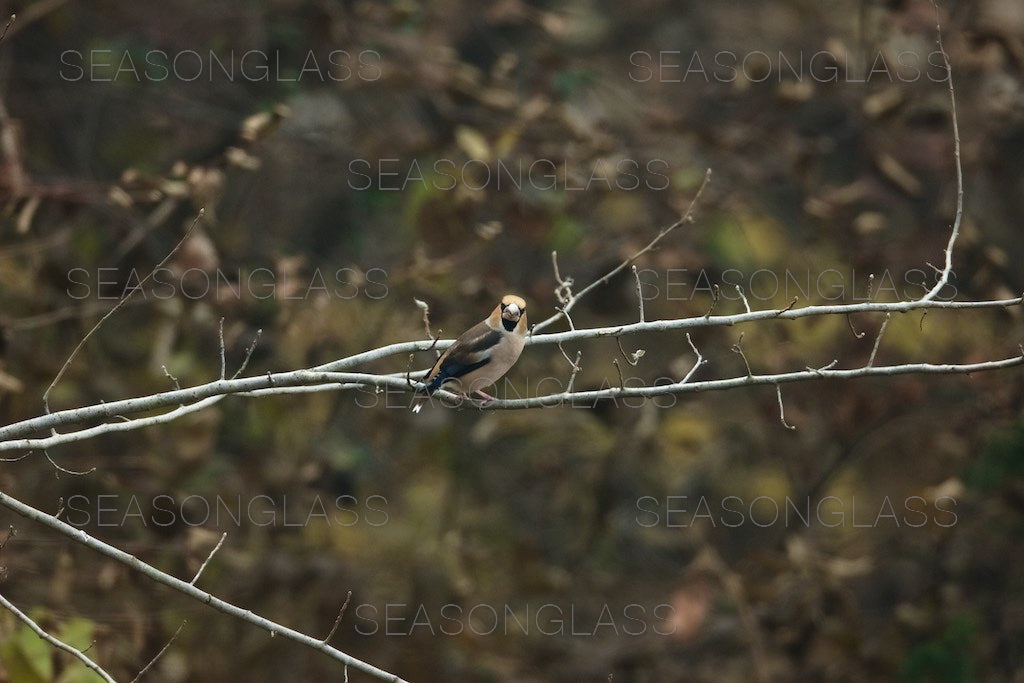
351 156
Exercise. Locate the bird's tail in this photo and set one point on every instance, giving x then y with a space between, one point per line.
421 396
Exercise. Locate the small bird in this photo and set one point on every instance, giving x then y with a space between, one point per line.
482 354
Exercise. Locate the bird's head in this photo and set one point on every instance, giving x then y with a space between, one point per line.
512 311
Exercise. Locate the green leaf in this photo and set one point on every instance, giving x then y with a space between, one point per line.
27 657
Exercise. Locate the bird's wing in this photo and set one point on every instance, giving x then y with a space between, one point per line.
470 351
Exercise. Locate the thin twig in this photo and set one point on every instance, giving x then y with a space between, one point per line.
59 644
576 368
878 339
10 21
171 377
736 348
64 469
209 557
158 654
633 358
564 311
20 457
696 365
782 411
563 292
639 293
425 307
574 364
408 371
955 232
716 294
789 307
622 382
746 304
566 356
856 334
818 371
341 614
11 533
574 299
248 353
223 359
121 302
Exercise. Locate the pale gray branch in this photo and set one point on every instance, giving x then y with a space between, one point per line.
59 644
751 380
326 376
955 231
188 589
209 557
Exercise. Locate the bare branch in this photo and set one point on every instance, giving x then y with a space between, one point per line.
955 231
755 380
160 654
782 410
563 292
622 382
716 294
878 339
639 294
65 470
682 323
121 302
209 557
425 307
248 354
3 34
824 367
565 312
106 428
576 368
856 334
746 305
59 644
341 614
223 360
321 378
789 307
574 299
736 348
696 365
633 358
273 628
170 377
20 457
11 533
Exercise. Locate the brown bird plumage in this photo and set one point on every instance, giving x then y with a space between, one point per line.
482 354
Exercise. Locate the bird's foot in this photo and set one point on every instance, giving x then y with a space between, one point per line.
487 398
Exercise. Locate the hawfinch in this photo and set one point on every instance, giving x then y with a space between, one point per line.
481 355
